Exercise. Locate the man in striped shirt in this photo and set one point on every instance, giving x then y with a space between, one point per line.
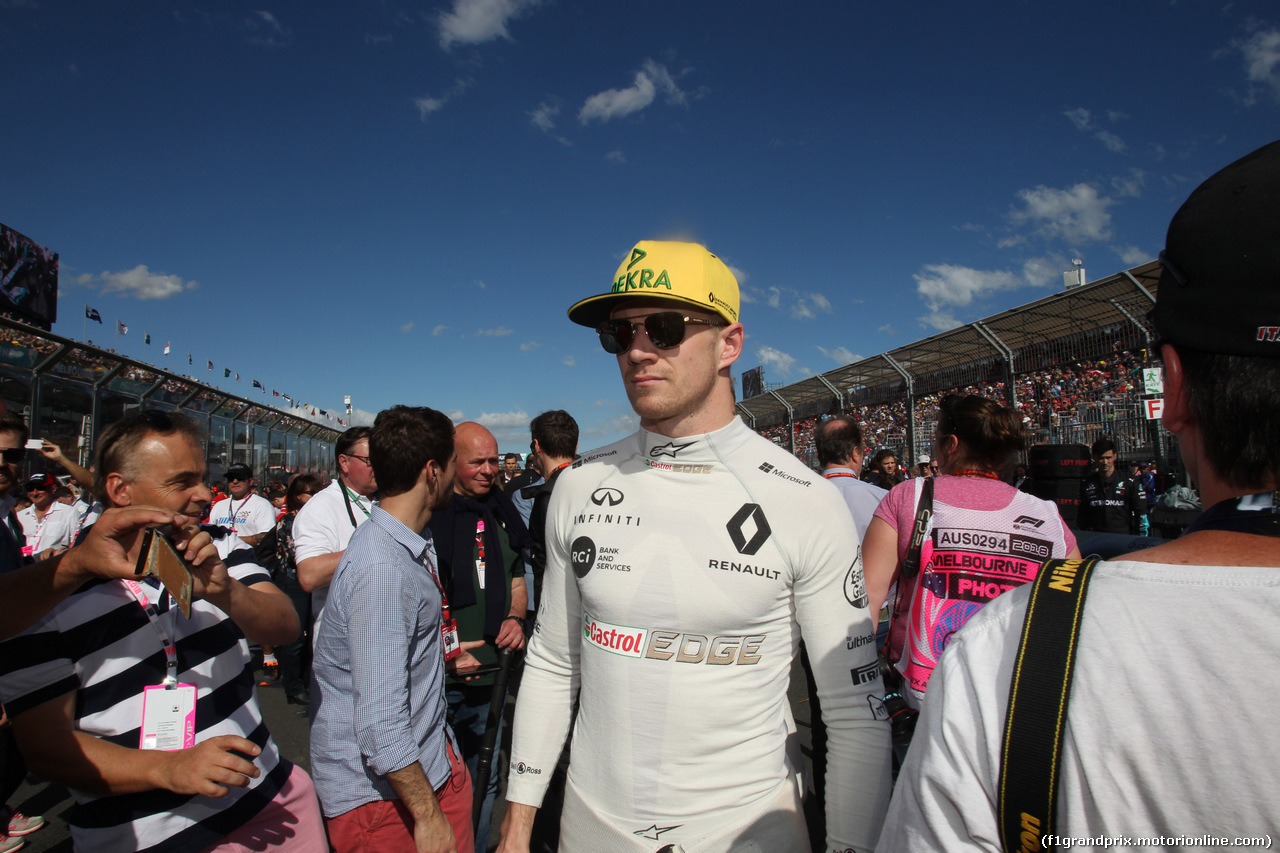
84 684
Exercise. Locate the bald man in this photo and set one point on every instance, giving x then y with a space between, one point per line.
478 538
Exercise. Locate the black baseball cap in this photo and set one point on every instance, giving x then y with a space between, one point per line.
239 471
44 482
1220 288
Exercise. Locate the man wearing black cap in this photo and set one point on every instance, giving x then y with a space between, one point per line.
684 564
47 524
244 512
1175 661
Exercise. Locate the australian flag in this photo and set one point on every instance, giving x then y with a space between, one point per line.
92 314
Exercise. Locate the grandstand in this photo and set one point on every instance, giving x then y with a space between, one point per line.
1070 362
70 391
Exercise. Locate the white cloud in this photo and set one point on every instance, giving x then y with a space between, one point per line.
627 422
427 104
144 284
1077 215
266 30
652 79
1079 117
777 360
370 38
544 117
499 332
943 321
529 346
1131 256
1045 271
946 284
944 287
509 428
1110 140
504 420
1261 53
479 21
439 330
887 329
616 156
840 355
407 328
456 415
1083 120
480 284
569 361
1131 185
821 302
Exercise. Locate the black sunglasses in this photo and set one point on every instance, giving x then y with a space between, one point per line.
665 329
14 455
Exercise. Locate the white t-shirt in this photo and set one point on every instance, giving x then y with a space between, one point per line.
53 531
323 526
251 515
1170 729
681 575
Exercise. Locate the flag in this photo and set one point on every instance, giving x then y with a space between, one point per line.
92 314
226 373
287 397
189 361
257 384
275 393
166 349
237 377
211 365
122 328
147 338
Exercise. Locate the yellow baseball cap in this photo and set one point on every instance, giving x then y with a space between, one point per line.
657 269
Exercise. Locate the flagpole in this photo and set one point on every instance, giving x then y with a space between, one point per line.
117 334
84 336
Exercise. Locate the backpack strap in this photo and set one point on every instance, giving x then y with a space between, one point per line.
1038 696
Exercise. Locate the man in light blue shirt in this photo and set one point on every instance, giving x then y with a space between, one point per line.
386 770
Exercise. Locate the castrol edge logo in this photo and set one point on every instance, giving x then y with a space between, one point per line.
619 639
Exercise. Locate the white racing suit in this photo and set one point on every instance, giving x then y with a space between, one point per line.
681 574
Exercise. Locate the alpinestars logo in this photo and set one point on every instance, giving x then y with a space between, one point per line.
737 533
652 832
1028 521
670 449
613 497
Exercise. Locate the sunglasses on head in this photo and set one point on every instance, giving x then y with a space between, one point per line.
14 455
666 330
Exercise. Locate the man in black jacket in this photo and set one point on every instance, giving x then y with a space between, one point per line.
1110 502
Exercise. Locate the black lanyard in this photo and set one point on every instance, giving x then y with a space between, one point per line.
1258 514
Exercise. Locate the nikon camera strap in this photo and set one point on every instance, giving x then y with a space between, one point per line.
1038 695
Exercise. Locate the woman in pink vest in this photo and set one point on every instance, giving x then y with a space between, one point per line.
984 537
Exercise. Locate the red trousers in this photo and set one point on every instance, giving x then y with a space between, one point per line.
386 826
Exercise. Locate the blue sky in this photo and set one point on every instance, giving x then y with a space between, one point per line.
399 200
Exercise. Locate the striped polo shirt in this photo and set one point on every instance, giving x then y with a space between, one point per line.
100 644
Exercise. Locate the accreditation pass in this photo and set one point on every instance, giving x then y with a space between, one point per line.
168 717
